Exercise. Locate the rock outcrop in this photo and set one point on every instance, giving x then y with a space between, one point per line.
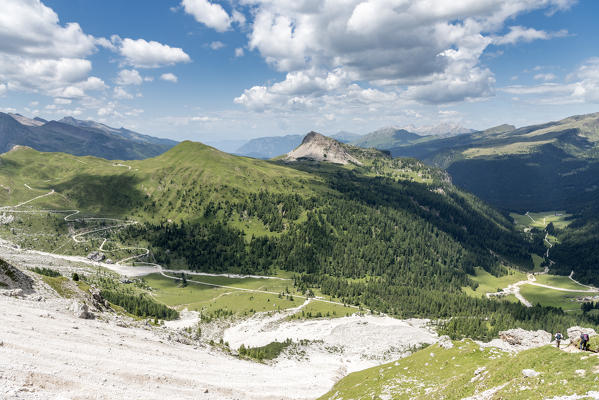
6 219
82 311
521 337
575 332
530 373
317 147
96 256
15 282
518 339
98 301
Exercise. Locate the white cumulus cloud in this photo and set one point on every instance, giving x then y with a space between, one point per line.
423 51
580 87
129 77
169 77
210 14
521 34
39 54
143 54
120 93
217 45
545 77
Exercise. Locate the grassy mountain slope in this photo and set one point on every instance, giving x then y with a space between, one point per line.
390 234
552 166
467 370
56 136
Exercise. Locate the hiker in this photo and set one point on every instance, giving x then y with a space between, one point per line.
584 341
558 338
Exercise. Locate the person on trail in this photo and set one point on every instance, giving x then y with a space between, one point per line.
584 341
558 338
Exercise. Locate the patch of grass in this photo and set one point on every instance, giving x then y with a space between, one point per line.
320 309
269 285
489 283
46 271
512 148
560 219
268 352
537 261
436 372
550 297
83 286
196 296
559 281
511 298
61 285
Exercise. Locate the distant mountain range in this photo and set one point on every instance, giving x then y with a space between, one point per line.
387 138
444 129
273 146
81 138
382 139
345 137
122 132
551 166
269 147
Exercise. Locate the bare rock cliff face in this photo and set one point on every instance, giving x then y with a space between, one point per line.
317 147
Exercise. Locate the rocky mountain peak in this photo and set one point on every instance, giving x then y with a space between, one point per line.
315 137
317 147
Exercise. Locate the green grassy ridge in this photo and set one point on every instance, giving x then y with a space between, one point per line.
544 167
171 185
336 225
387 138
552 166
436 372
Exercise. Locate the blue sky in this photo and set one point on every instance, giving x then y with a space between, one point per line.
211 70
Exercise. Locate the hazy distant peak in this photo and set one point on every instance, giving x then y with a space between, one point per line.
443 129
87 124
269 146
26 121
345 137
122 132
392 130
